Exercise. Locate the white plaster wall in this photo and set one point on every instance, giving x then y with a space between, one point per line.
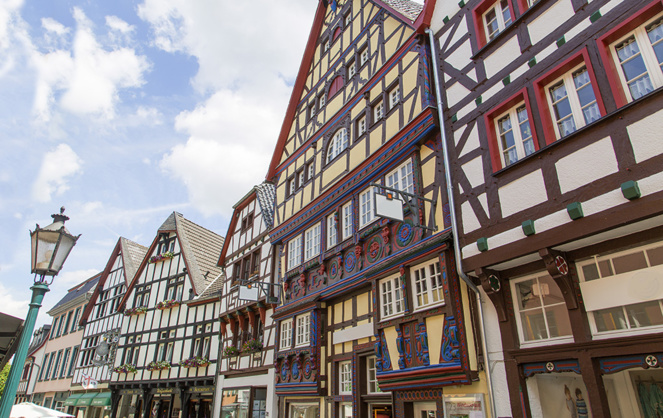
586 165
461 56
502 57
522 193
496 357
474 172
605 201
609 6
456 93
470 221
645 136
550 20
443 9
472 142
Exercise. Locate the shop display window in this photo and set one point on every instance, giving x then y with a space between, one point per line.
304 410
635 392
559 395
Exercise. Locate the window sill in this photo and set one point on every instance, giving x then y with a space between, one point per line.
604 335
392 317
545 342
429 306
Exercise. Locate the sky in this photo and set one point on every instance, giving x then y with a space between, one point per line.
125 111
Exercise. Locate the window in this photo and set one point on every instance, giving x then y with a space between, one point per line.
310 112
352 70
174 288
497 18
43 368
312 242
335 86
286 334
337 33
303 329
295 252
142 296
541 313
363 56
427 284
345 377
304 410
361 125
54 328
65 360
371 377
309 171
515 135
402 178
321 102
59 331
572 101
56 366
627 310
638 57
331 230
378 111
366 214
392 297
347 220
301 178
66 326
165 349
72 363
292 186
166 244
345 410
337 145
394 97
348 19
325 45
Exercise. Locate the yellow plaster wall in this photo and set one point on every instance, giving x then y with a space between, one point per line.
357 154
306 194
390 335
338 312
332 171
362 304
335 104
410 75
347 310
376 138
471 351
393 125
434 327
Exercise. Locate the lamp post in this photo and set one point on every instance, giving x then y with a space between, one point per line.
51 246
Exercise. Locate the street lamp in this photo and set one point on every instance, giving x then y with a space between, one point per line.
51 246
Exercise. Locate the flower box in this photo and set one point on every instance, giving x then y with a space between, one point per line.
167 304
196 361
125 368
230 351
251 346
135 311
158 365
161 257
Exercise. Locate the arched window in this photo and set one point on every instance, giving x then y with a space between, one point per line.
338 143
335 86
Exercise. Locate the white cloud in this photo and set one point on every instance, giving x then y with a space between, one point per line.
12 305
52 25
248 68
8 13
69 279
88 74
57 167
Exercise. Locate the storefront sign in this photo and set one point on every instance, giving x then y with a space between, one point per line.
165 391
201 389
130 391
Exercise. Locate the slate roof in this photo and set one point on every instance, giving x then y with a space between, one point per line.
75 292
213 289
200 246
266 193
133 255
38 338
407 8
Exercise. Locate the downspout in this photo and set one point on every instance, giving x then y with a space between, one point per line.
454 225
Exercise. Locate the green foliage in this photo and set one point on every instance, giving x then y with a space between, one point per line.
3 378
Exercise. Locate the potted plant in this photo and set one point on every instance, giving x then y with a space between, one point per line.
125 368
251 346
167 304
158 365
135 311
161 257
195 361
230 351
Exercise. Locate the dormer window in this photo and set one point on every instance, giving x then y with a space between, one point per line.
337 145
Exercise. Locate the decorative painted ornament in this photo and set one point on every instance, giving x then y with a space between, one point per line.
550 366
494 283
651 360
562 265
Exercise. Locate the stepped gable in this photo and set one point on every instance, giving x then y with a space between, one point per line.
266 193
201 247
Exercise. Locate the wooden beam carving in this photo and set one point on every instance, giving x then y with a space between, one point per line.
558 268
493 285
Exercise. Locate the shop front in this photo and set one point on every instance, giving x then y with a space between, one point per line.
199 401
244 403
131 403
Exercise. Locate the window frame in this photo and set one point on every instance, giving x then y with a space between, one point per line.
396 295
541 92
312 242
364 56
430 291
371 375
394 100
352 69
617 34
332 230
347 216
303 330
285 342
345 377
480 28
366 210
337 145
396 172
517 313
377 110
362 125
295 252
491 118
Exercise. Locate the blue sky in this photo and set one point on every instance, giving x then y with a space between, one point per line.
124 111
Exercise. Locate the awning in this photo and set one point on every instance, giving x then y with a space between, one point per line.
71 400
102 399
10 331
86 399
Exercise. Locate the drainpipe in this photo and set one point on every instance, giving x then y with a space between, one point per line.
454 225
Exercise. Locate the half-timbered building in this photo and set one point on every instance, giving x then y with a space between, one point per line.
552 110
246 374
54 382
33 364
374 321
102 326
168 348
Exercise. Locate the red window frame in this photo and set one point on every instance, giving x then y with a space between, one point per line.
581 57
489 120
604 41
479 27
